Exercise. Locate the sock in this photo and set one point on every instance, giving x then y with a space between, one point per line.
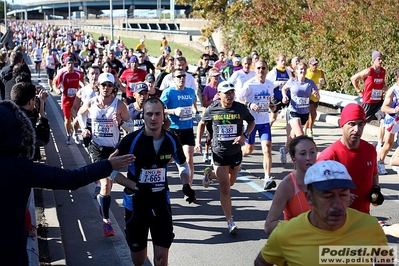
105 204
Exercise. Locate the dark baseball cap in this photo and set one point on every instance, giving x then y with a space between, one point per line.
150 77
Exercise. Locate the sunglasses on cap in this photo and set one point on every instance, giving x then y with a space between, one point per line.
228 85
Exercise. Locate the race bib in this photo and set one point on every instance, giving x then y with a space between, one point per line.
263 103
71 92
143 67
103 129
187 113
376 95
203 81
302 102
226 132
211 63
152 176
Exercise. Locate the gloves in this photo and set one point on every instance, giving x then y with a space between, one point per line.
144 187
178 111
189 192
376 197
198 117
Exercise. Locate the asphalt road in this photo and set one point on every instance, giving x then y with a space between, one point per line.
201 237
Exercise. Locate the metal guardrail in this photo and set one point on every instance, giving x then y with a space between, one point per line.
337 99
139 30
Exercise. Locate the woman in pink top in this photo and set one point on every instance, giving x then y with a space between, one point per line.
290 194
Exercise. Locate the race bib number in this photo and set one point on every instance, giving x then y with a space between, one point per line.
203 81
376 95
263 103
211 63
71 92
103 129
187 113
226 132
155 176
302 102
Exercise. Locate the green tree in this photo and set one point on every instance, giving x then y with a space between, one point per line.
341 33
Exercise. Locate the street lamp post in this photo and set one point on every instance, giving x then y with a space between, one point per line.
69 13
111 17
5 13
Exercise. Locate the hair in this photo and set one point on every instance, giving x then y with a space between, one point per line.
296 141
280 55
177 69
204 55
16 57
180 58
23 77
107 63
301 64
247 58
261 60
22 93
154 100
210 73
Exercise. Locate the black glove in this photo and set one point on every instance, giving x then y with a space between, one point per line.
189 192
376 190
144 187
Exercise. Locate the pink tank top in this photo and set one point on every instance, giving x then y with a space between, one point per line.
298 203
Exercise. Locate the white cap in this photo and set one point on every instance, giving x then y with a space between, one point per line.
225 86
326 175
141 40
106 77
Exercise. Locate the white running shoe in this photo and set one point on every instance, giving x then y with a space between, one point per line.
378 147
381 168
233 229
283 155
76 138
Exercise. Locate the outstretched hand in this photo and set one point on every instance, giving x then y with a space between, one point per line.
119 162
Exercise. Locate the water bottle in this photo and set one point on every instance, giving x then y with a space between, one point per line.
374 198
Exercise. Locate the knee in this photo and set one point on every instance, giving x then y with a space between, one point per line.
138 261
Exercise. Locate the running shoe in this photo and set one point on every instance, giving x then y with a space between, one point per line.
395 168
269 184
206 180
108 230
76 138
381 168
96 192
205 158
310 134
232 227
68 142
381 223
378 147
210 156
283 155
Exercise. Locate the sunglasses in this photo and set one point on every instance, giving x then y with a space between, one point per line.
228 85
180 76
263 68
107 84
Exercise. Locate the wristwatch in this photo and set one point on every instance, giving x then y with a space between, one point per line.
245 135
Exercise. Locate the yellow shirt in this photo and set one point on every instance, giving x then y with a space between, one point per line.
296 242
315 76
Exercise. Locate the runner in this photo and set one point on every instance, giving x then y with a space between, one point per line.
105 135
179 101
147 205
300 89
226 117
68 81
256 95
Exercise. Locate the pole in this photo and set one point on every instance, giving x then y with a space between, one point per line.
69 13
124 16
111 17
5 13
172 9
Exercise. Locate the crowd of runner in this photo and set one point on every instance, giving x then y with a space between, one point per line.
111 92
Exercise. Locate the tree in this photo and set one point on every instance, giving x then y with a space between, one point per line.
342 34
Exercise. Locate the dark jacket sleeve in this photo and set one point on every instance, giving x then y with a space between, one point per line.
56 178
